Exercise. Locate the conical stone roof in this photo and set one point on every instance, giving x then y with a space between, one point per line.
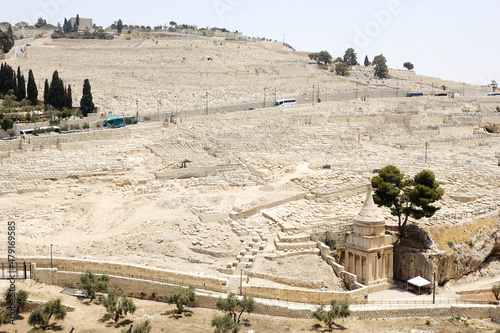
370 213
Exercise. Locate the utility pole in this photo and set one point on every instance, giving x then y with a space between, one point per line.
241 281
159 103
264 99
313 95
426 143
207 105
51 255
434 289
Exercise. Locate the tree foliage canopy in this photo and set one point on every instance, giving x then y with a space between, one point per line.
342 69
118 304
381 70
225 324
119 26
412 197
180 297
20 298
86 103
496 291
232 305
350 57
32 89
367 61
408 65
94 284
337 310
41 316
321 57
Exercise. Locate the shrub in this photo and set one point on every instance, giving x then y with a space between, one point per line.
450 244
85 126
427 322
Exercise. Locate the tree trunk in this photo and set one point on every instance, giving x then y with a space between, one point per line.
117 316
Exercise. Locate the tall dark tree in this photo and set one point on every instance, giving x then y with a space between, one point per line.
77 20
75 27
381 70
46 93
16 87
68 99
7 79
21 85
86 103
350 57
119 26
10 32
56 91
367 61
32 89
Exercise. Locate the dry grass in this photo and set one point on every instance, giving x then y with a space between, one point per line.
462 234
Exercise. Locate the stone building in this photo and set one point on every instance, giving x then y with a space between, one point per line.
368 252
85 23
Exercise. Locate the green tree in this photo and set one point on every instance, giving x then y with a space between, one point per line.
56 91
21 85
5 317
180 297
19 298
118 304
412 197
86 103
144 327
6 42
38 318
342 69
321 57
41 316
493 85
10 32
225 324
40 23
235 306
350 57
408 65
496 291
337 310
7 79
77 20
7 122
68 99
46 93
381 70
367 62
119 26
93 284
32 89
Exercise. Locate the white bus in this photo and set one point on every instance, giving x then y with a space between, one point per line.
285 102
40 130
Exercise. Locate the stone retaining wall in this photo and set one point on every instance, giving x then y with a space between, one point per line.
131 271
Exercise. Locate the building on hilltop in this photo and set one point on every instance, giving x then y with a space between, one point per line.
85 23
369 251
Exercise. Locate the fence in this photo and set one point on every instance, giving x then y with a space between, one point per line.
20 271
429 302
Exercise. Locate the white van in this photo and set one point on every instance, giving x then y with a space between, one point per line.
285 102
494 94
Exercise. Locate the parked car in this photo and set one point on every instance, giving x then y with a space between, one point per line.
10 138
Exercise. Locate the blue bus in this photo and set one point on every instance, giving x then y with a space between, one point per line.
116 122
414 94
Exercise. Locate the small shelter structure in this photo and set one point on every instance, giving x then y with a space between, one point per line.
419 282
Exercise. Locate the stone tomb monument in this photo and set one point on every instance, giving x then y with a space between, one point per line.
368 252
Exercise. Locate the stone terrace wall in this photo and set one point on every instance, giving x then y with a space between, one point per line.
131 271
495 315
304 296
156 290
430 311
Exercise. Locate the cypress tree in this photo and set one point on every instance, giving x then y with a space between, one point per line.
56 91
32 89
367 62
21 85
68 99
46 93
86 103
10 32
15 86
77 20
